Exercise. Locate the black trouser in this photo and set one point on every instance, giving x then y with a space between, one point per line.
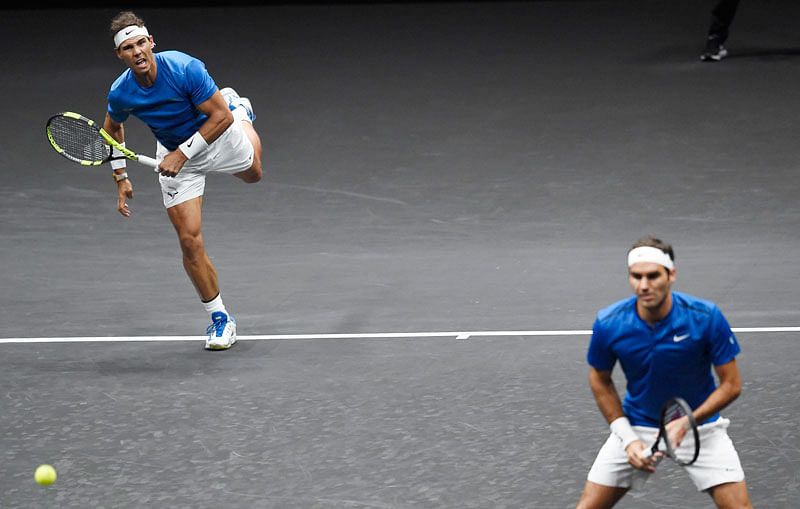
721 18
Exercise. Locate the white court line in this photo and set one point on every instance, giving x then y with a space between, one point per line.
368 335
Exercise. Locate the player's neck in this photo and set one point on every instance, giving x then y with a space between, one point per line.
653 315
147 79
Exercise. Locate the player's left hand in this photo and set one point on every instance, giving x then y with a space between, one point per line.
676 430
124 193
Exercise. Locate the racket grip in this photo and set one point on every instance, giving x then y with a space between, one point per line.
147 161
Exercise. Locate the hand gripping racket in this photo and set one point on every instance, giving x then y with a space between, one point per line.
672 410
81 140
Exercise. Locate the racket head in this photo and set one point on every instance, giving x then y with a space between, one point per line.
673 409
78 139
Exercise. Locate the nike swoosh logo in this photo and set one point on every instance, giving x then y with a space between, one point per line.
190 143
129 31
677 338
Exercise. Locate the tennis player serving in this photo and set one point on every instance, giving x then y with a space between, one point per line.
667 343
199 129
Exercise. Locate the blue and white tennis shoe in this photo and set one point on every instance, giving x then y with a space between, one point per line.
221 332
235 101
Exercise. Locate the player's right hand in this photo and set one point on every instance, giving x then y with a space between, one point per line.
639 456
172 163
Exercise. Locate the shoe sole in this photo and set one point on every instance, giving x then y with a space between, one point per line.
211 346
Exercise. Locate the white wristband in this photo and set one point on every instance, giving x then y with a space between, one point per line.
194 145
118 163
622 428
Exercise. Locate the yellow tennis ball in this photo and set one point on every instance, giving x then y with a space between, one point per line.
45 475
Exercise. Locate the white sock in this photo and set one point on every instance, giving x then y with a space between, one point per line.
215 305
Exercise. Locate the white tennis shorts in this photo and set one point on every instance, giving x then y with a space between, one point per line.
231 153
718 462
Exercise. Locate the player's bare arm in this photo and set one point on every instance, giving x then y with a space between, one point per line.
219 119
607 398
124 187
605 393
729 388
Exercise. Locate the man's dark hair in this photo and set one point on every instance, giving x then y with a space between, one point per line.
124 19
656 243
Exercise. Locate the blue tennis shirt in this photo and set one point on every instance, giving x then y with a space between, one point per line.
169 106
671 358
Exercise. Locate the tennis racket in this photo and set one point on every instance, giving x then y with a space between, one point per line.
672 410
81 140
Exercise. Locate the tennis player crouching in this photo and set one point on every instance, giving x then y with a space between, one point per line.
666 342
198 129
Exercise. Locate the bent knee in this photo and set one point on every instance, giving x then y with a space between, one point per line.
255 176
251 175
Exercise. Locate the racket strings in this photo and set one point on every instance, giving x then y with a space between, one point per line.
79 139
687 452
675 412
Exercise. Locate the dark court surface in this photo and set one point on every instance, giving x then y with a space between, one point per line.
428 167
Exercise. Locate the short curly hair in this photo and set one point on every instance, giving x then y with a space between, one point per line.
124 19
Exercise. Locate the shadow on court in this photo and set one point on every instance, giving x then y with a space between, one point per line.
428 167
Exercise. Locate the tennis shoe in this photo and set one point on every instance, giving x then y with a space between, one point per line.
221 332
714 51
235 101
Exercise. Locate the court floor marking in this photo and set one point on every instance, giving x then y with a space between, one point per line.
364 335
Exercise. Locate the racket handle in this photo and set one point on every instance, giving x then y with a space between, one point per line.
147 161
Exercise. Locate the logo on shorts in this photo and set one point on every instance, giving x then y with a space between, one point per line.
173 193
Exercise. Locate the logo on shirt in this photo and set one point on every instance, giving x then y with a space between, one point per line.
680 338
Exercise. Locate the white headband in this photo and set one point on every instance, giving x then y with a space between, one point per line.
128 32
650 254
